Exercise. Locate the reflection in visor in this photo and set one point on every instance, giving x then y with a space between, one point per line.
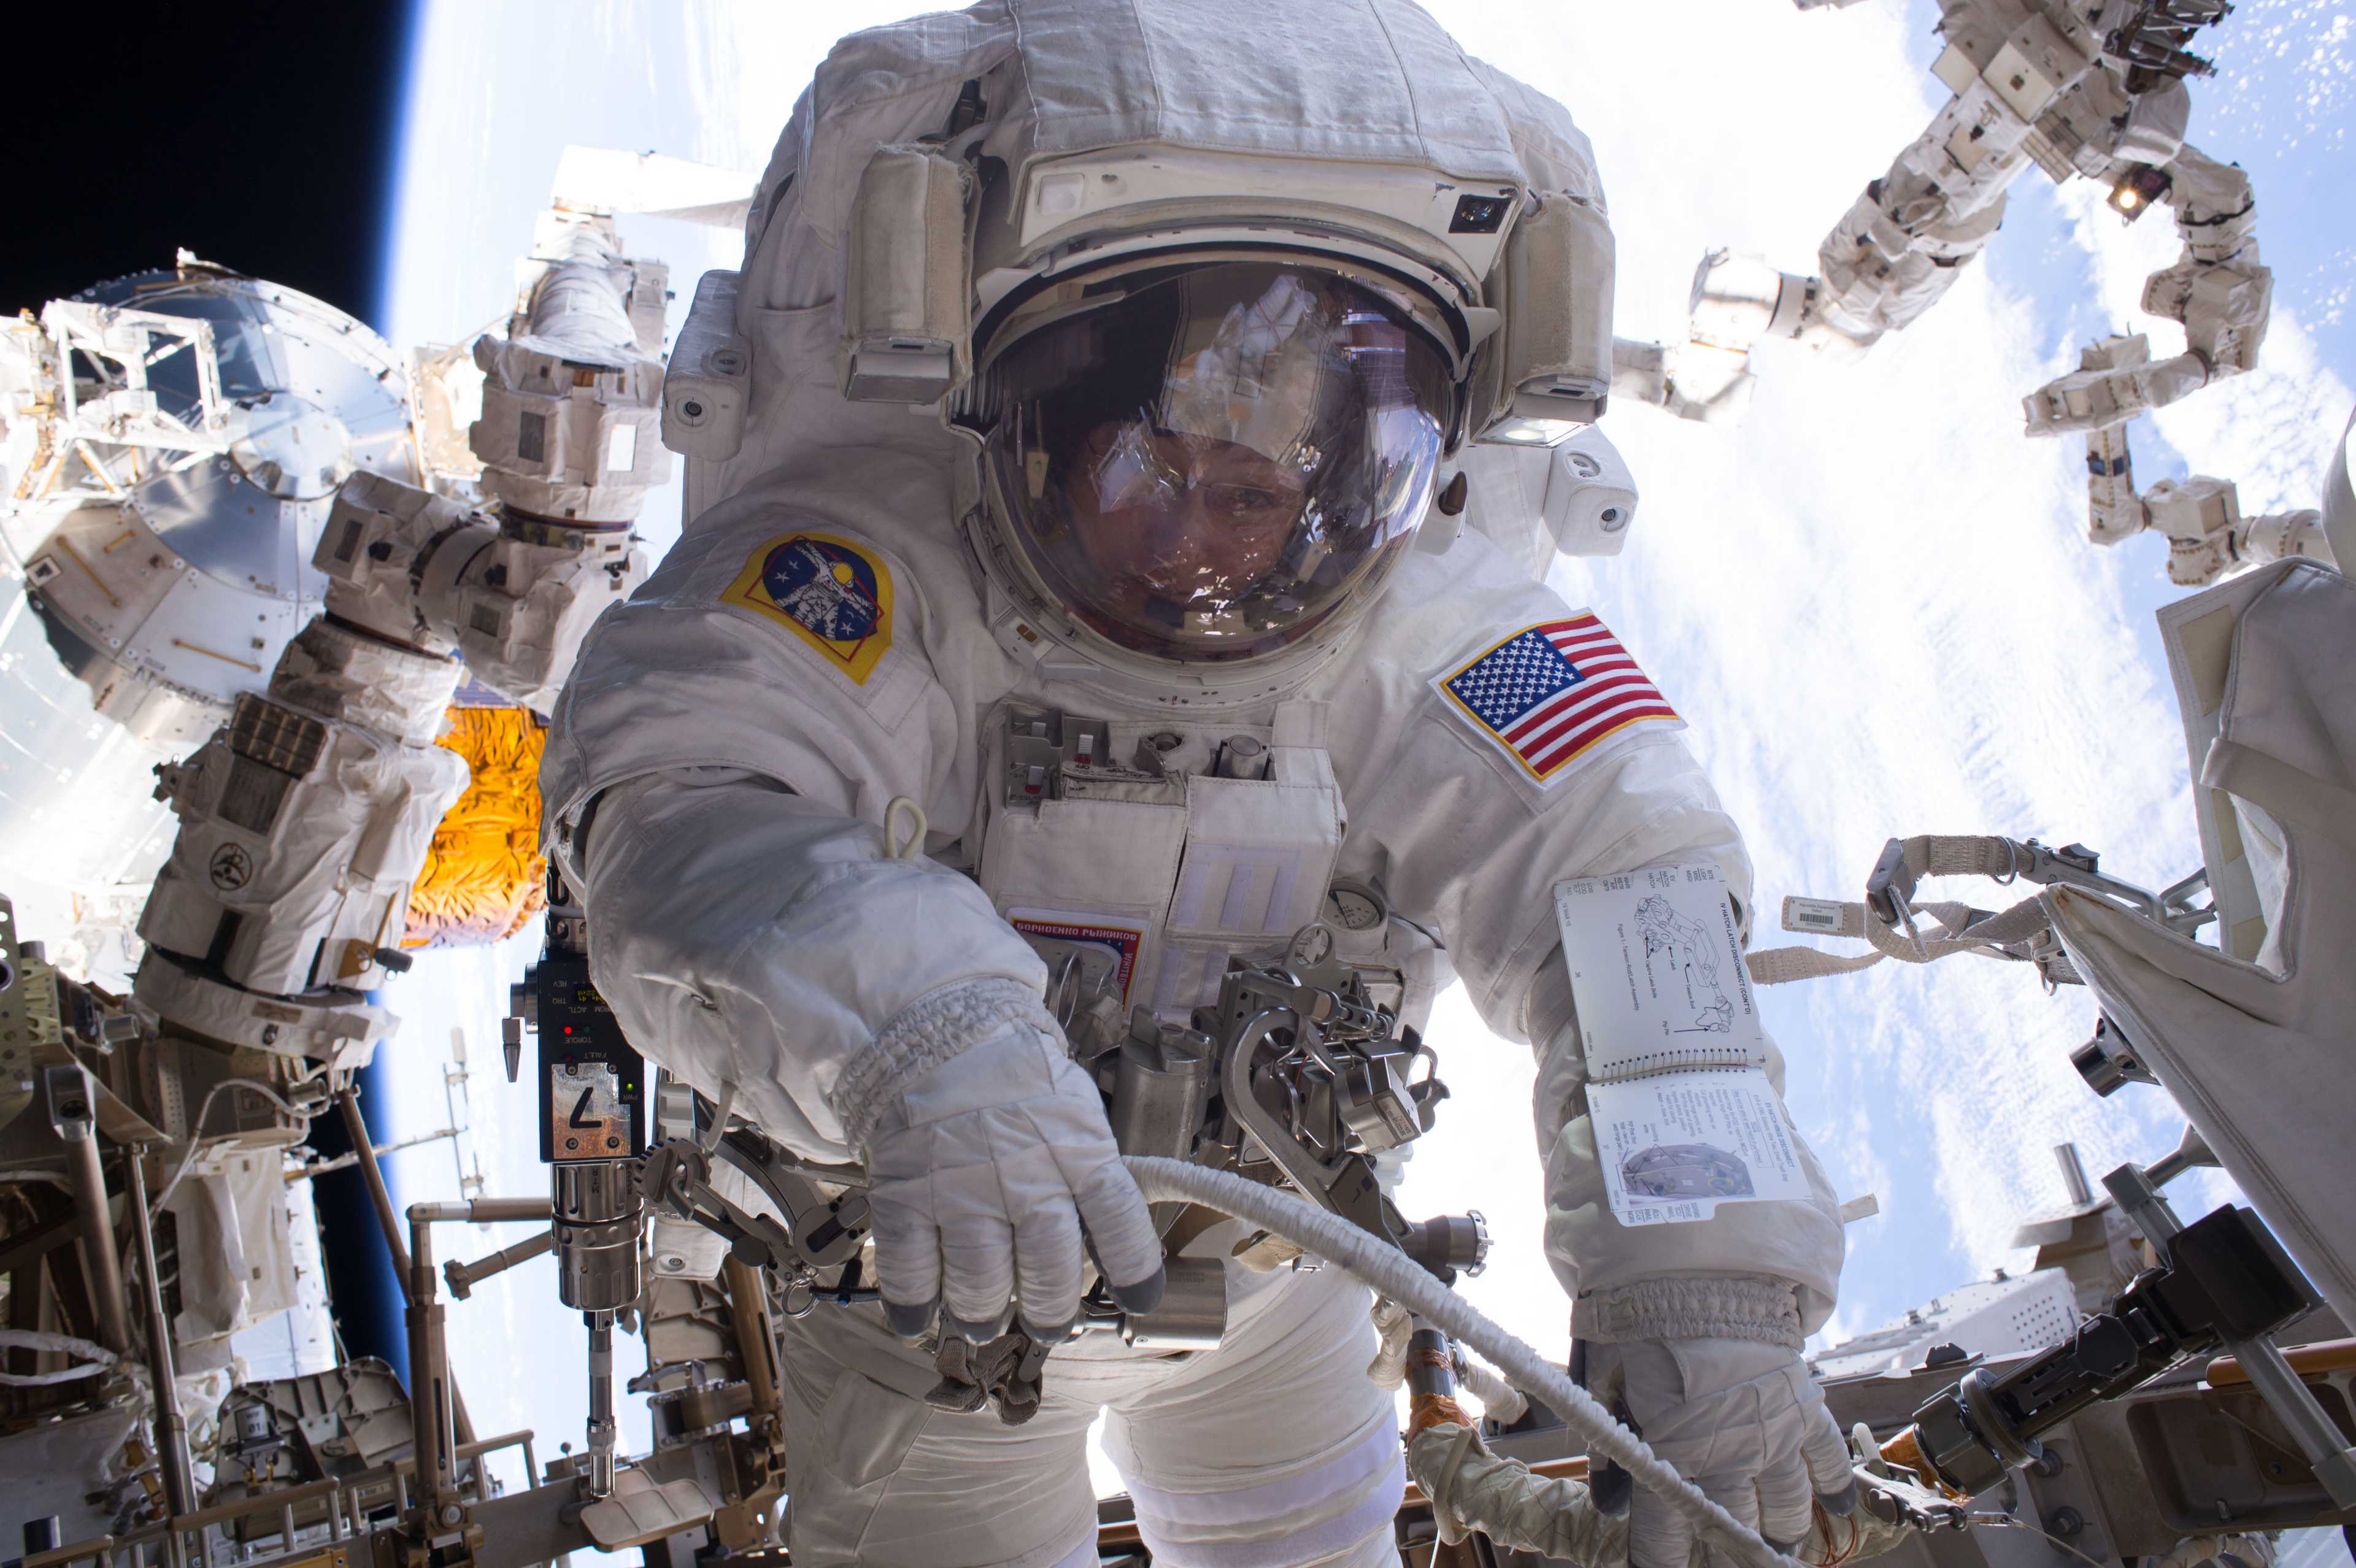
1209 463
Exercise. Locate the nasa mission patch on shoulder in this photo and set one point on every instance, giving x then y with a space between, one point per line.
833 595
1552 693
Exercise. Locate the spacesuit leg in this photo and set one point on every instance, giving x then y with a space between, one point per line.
879 1478
1275 1450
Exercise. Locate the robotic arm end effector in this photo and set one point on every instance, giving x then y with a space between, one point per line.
2217 288
1738 301
2200 517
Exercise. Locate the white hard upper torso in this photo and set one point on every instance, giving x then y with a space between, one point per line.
1374 776
1378 778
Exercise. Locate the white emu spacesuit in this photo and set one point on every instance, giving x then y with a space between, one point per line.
1213 297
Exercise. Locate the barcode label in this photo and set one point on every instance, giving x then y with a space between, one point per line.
1821 915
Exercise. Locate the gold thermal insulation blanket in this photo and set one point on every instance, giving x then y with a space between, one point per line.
483 876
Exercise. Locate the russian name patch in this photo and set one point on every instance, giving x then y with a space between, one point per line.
833 595
1552 693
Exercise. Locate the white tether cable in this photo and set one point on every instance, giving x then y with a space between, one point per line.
94 1358
1392 1274
913 846
197 1128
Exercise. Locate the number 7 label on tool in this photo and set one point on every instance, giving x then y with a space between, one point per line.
587 1119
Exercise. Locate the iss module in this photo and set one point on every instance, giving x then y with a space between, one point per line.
170 445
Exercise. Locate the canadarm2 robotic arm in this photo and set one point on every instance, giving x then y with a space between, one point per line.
2200 517
2217 288
304 820
2099 94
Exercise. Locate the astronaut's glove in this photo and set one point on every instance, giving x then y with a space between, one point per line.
986 1170
1743 1420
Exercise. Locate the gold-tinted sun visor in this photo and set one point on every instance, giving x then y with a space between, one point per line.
1207 462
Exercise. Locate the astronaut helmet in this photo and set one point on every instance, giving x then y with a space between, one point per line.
1205 467
1217 352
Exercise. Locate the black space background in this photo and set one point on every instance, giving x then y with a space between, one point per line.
262 137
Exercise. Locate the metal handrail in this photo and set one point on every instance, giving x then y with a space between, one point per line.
102 1549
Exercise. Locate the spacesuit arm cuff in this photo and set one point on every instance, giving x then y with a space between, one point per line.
1757 1308
923 1034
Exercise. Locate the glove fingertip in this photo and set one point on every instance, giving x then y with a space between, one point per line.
909 1319
1840 1504
1120 1225
1826 1455
1145 1294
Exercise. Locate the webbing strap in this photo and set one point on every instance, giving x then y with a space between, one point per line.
1777 966
1961 855
1959 928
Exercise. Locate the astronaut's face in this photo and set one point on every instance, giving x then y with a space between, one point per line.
1185 520
1205 464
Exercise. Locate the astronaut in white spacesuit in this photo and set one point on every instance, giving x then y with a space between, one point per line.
1215 299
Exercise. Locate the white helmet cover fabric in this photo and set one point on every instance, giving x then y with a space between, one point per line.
1352 82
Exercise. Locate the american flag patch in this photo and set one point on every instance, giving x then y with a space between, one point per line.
1551 693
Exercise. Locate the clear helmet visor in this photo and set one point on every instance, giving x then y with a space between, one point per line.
1211 462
